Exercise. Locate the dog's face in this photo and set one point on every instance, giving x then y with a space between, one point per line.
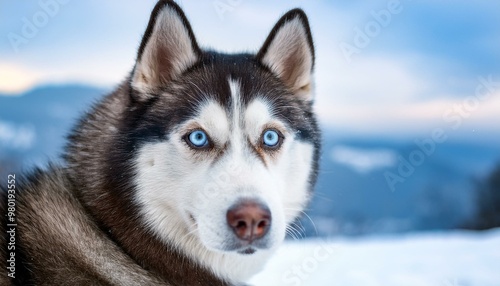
226 145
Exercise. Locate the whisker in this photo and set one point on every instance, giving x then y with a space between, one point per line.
291 233
195 228
300 235
312 222
297 234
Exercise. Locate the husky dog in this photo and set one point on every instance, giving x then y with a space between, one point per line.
189 173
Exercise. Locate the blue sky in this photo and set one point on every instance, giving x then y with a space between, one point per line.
417 62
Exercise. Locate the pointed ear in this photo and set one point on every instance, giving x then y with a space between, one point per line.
168 48
289 53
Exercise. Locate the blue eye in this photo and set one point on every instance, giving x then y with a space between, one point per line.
198 139
271 138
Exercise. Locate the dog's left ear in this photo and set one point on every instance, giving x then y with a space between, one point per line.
168 48
289 53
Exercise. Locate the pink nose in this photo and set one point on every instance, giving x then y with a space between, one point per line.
249 220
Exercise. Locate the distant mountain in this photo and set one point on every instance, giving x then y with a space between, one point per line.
353 195
33 125
438 194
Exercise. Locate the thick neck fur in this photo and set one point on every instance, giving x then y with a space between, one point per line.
106 190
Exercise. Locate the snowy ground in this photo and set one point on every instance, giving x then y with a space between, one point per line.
429 259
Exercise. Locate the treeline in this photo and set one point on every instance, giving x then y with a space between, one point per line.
487 202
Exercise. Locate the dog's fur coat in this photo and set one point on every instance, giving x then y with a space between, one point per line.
128 208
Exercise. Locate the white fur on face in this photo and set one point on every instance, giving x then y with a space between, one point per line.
185 193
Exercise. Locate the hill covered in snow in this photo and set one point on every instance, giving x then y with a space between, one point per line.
456 258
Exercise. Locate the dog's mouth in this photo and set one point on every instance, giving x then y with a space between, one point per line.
245 247
247 251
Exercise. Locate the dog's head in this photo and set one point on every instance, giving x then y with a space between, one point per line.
226 145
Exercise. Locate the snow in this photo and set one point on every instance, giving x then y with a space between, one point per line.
458 258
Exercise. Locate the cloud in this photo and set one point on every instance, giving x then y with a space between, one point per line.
363 160
15 78
370 79
21 137
405 119
401 83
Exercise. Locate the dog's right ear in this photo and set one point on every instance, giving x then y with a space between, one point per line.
168 48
